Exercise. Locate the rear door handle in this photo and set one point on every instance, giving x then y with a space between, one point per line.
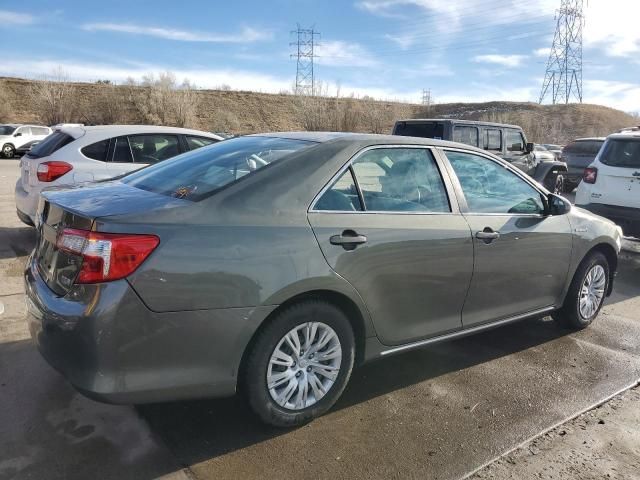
487 235
348 239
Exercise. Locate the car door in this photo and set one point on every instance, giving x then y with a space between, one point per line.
389 227
522 255
516 151
22 135
136 151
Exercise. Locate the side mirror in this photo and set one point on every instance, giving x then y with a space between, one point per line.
529 148
557 205
17 134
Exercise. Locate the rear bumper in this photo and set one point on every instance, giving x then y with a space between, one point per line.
574 174
112 348
26 203
628 218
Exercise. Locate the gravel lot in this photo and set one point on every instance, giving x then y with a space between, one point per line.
440 412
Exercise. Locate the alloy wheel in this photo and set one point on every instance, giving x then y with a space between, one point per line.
592 291
7 151
304 365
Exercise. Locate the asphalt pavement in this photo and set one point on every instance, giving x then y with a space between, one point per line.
439 412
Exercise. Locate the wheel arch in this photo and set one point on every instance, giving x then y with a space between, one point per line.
340 300
612 258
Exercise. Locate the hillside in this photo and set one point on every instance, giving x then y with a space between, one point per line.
247 112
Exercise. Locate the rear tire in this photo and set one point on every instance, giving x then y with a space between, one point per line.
8 151
586 293
287 387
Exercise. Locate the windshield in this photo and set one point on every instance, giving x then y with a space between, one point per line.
197 174
7 129
623 153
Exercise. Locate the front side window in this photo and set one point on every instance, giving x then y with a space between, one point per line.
153 148
466 135
494 140
491 188
197 142
514 140
198 174
624 153
394 180
24 131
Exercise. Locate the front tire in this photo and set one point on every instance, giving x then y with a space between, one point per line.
586 293
299 364
8 151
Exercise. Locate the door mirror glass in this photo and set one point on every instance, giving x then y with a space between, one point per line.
530 147
558 205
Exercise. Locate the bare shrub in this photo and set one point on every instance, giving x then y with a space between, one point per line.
162 101
54 98
5 106
224 121
107 107
319 112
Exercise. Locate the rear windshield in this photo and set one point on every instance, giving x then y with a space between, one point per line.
584 147
7 129
53 142
424 130
197 174
621 153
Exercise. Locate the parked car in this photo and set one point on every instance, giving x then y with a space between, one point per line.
611 183
506 141
578 155
18 139
274 263
541 154
555 149
78 154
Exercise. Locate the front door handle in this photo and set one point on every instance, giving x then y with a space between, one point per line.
348 239
487 235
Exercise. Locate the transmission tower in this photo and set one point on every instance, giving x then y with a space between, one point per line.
426 99
563 78
305 43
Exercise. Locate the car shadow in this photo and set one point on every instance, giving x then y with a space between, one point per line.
205 429
16 242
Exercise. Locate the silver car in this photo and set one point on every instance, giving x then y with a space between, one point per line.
273 264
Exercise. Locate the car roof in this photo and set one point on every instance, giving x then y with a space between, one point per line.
588 139
366 139
116 130
459 120
628 134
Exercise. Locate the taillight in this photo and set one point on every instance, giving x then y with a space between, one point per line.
50 171
590 175
106 256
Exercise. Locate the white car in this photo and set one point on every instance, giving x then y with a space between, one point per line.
15 138
610 186
73 155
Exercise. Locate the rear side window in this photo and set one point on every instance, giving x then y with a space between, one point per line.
24 131
514 140
96 151
53 142
122 151
624 153
425 130
584 147
493 140
153 148
197 142
466 135
40 131
198 174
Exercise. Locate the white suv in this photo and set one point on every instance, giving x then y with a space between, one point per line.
16 138
611 184
78 154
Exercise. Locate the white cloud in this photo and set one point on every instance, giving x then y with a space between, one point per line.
402 41
508 61
624 96
246 35
613 26
344 54
15 18
542 52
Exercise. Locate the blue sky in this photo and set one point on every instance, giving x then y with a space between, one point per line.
462 50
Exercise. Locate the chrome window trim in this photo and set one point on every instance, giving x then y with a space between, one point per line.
349 163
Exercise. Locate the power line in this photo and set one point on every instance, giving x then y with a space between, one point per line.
563 77
305 44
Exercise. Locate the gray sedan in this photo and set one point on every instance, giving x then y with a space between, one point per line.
273 264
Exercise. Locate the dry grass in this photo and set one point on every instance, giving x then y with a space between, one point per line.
163 101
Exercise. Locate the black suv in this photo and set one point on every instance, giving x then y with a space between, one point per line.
505 141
